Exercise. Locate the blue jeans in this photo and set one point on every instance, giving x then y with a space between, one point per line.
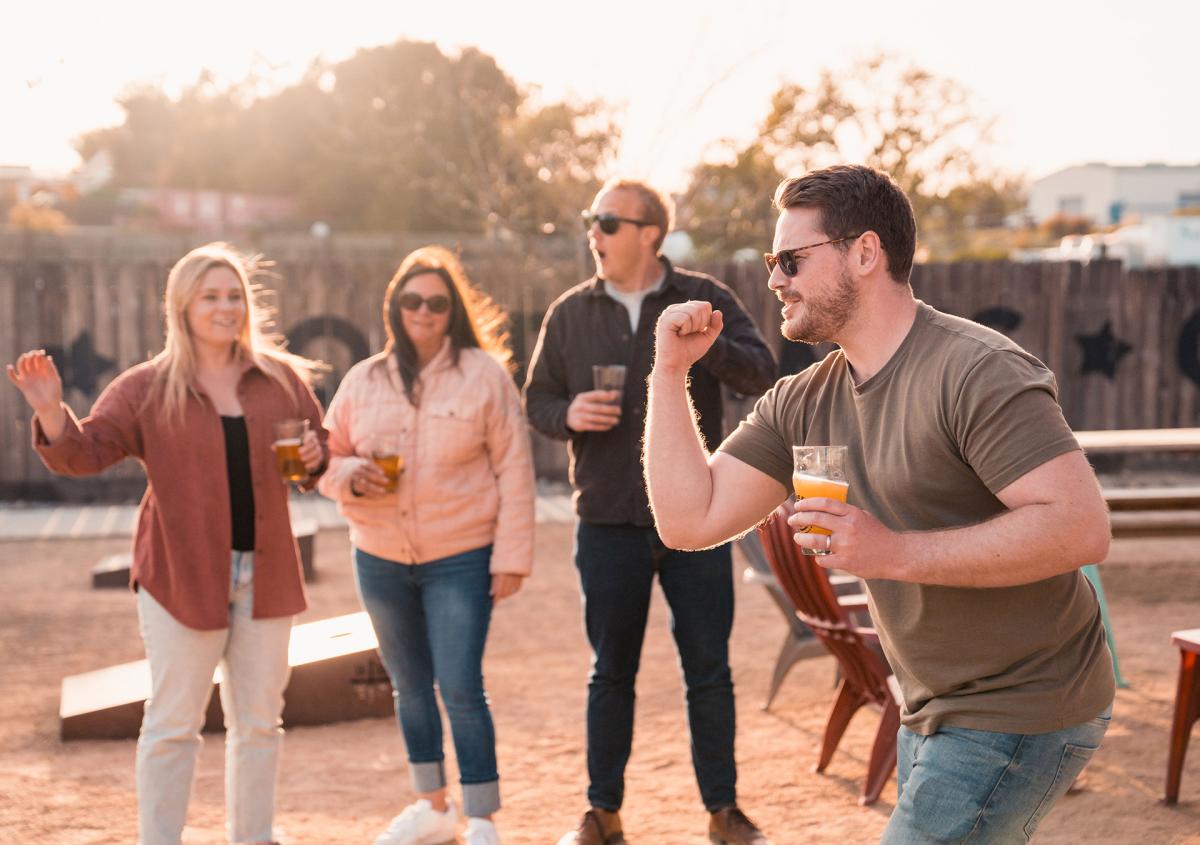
617 565
432 622
961 785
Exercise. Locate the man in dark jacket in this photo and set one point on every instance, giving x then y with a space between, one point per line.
610 319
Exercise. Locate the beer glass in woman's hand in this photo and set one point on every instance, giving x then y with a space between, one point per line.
385 452
289 434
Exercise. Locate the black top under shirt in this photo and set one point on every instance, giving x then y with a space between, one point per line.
241 489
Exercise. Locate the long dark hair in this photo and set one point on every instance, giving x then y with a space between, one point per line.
476 321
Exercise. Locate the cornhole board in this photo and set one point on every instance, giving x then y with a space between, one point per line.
336 676
113 570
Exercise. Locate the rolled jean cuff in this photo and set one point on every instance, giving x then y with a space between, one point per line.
481 799
427 777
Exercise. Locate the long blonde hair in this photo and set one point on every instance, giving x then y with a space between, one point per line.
175 366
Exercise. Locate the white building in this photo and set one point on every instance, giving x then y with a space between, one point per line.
15 182
1108 194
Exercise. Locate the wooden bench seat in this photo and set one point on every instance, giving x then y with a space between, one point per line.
1154 511
1152 498
1157 523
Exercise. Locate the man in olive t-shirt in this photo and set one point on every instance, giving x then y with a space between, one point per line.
970 508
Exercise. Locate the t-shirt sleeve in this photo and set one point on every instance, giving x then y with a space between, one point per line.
1007 420
763 440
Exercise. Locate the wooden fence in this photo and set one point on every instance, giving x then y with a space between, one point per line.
1125 345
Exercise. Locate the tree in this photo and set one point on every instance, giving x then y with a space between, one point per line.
401 137
37 218
727 205
882 112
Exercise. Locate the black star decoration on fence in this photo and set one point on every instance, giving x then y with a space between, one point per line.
1102 351
81 366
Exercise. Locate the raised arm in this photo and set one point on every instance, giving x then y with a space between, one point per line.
65 444
36 376
698 500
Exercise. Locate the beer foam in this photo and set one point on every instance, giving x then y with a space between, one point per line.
290 441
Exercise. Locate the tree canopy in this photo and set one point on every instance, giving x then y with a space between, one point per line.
885 113
402 136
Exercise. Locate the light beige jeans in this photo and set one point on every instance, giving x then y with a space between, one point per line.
252 655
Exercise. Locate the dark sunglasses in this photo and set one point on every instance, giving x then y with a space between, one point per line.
439 303
786 258
608 222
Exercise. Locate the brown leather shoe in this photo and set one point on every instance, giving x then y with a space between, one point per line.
731 827
598 827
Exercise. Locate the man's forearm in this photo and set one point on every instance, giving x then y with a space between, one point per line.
676 464
1020 546
547 414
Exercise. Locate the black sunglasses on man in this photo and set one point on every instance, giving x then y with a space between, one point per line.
609 222
786 258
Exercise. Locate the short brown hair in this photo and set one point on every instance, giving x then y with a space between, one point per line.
657 208
853 199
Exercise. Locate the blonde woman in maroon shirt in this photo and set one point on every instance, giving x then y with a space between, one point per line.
214 562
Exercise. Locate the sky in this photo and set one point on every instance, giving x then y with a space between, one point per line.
1068 82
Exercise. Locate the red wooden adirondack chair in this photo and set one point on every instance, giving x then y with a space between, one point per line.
866 678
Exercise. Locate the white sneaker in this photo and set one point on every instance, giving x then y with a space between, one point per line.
420 824
481 832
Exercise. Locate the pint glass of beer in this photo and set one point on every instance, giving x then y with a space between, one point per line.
385 452
608 377
289 434
819 471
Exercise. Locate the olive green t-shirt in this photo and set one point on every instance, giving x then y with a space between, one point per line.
957 414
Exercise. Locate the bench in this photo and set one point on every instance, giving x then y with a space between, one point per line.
113 570
1154 511
336 676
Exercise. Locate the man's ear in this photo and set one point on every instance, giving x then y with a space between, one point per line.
867 254
649 234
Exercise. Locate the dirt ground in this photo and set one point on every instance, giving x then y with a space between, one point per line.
341 783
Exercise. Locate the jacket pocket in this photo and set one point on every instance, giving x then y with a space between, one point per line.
454 433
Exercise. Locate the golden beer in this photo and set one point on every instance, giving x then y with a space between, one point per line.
812 486
819 472
392 466
287 457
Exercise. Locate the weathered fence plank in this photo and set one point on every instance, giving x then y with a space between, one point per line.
97 297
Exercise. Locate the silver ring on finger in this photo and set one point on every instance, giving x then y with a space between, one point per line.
828 544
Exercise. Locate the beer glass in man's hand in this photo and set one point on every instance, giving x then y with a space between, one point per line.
819 471
609 377
289 434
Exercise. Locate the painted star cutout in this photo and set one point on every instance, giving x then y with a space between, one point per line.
1102 351
80 365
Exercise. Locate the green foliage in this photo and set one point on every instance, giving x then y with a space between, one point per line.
397 137
727 206
37 218
882 112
